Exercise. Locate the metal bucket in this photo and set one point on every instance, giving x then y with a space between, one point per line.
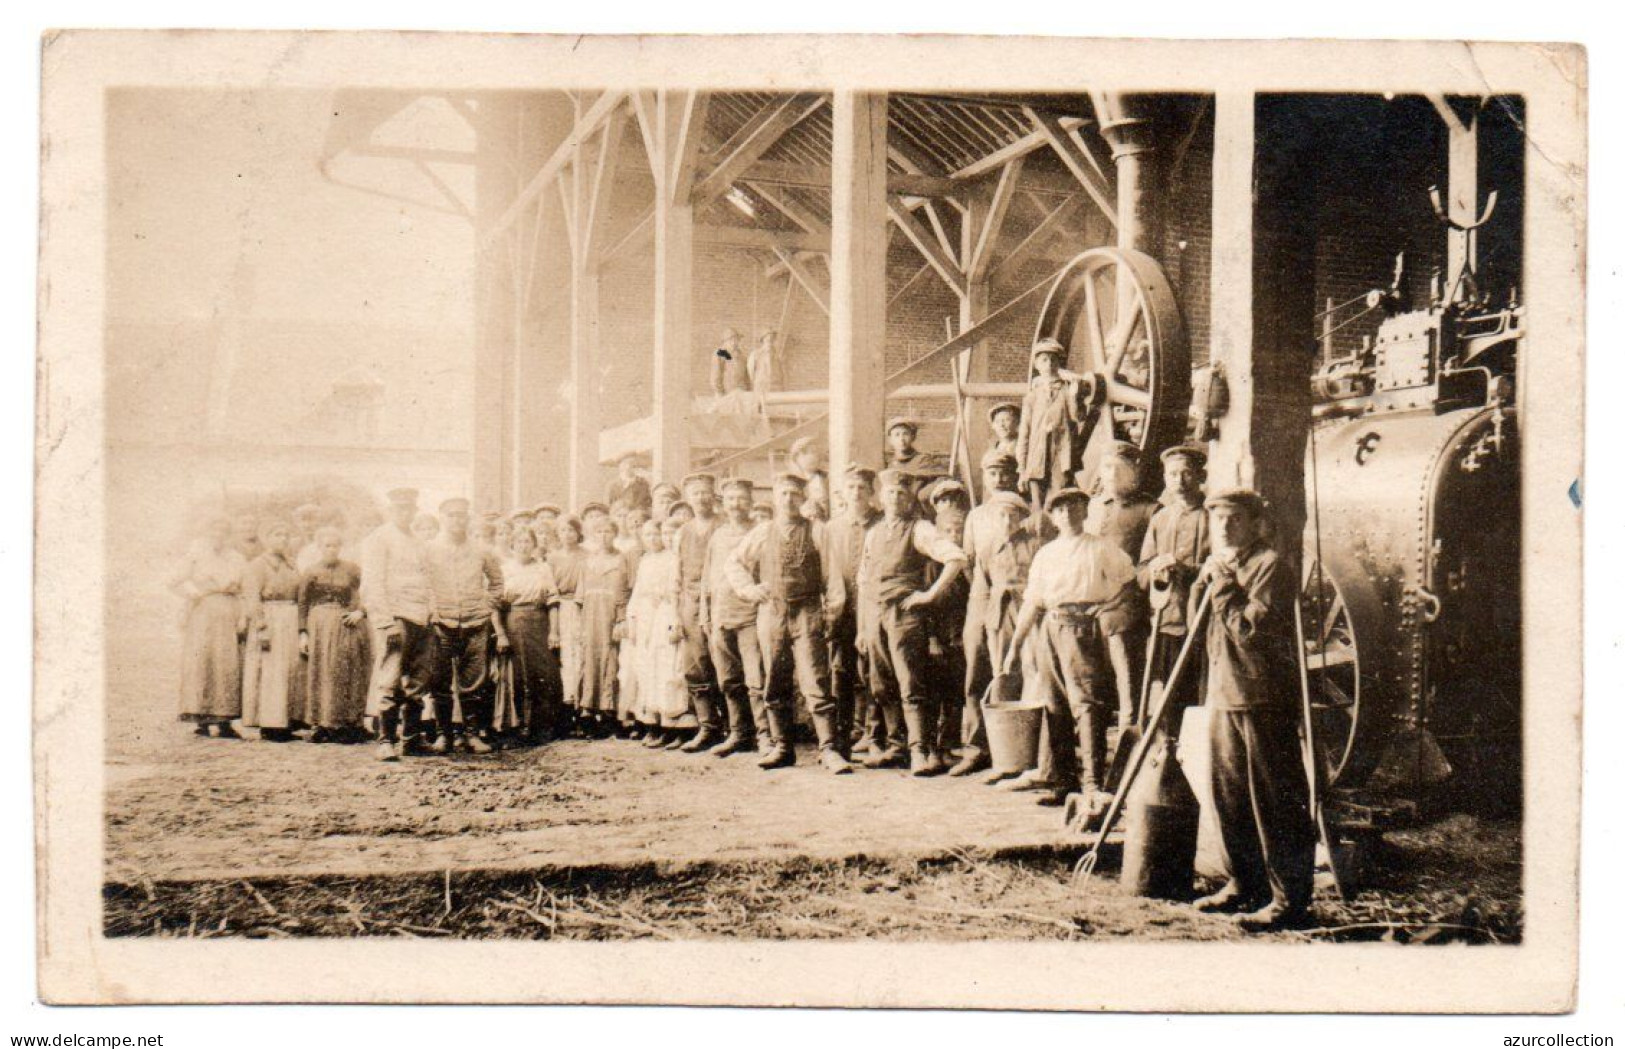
1012 734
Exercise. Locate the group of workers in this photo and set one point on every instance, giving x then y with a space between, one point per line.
692 616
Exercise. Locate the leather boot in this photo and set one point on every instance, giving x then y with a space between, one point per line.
1092 728
704 739
783 752
829 744
922 761
733 744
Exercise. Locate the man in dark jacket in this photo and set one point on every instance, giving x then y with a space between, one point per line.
1260 789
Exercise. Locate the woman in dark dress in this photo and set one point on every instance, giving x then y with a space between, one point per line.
333 637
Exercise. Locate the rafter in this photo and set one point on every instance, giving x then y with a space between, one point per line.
788 207
980 256
1077 159
1055 220
685 128
1022 146
589 122
597 204
926 244
771 123
804 277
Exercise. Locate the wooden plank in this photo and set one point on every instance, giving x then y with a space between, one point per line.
597 204
926 244
804 277
819 178
589 122
1052 222
1022 146
768 239
1077 160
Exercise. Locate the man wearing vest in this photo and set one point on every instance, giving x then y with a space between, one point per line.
694 656
1174 549
896 551
728 618
395 593
843 548
1260 789
1078 584
781 565
985 528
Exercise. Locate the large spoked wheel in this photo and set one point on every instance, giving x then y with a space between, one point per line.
1333 656
1114 311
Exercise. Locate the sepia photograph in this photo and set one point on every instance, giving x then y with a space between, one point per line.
602 510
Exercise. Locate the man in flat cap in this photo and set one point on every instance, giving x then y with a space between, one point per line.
843 549
781 565
1006 422
901 454
1260 788
1049 441
728 618
1174 549
694 655
1001 571
897 549
465 588
1120 513
1075 585
395 594
629 488
986 527
662 497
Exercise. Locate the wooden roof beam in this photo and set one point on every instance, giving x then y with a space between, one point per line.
1077 159
754 139
593 119
946 266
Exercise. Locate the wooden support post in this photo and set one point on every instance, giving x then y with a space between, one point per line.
1462 203
857 315
677 121
1263 309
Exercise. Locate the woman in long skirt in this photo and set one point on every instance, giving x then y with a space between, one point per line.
333 635
651 615
527 592
603 592
211 581
565 629
273 671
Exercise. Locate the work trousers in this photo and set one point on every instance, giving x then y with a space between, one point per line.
462 666
402 667
846 678
699 673
947 664
1076 683
737 656
897 677
978 673
795 657
1261 799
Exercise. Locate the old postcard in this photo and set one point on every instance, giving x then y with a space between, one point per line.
810 521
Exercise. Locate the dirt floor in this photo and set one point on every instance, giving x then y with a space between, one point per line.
601 840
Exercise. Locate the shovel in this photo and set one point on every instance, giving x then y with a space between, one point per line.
1130 737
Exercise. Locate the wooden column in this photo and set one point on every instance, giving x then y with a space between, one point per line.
575 193
494 189
857 307
1264 218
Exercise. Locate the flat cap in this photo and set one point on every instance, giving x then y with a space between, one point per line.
1007 501
858 470
709 480
895 479
1192 452
1004 406
1064 496
948 488
995 458
909 424
403 496
456 504
1245 498
1050 346
741 483
790 480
